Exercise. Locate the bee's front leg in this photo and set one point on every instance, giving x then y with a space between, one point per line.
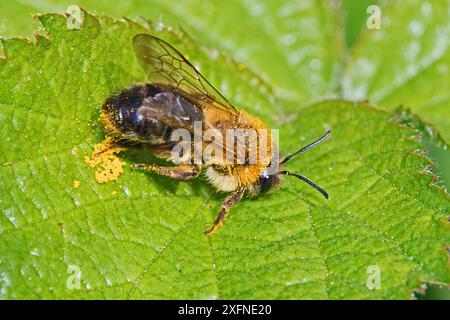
229 202
180 172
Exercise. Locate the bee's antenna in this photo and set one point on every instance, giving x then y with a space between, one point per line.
312 184
309 146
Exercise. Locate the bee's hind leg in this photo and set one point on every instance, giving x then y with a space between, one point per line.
229 202
180 172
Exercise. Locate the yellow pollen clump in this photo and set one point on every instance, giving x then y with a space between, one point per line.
76 184
104 156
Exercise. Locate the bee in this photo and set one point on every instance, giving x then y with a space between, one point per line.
176 97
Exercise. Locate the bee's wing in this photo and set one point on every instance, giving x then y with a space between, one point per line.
163 63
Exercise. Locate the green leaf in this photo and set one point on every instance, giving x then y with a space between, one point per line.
406 62
142 235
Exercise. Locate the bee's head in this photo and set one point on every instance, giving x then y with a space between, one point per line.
268 181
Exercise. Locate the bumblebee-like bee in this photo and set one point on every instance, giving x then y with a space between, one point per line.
177 97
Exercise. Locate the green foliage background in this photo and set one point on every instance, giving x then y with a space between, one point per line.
142 236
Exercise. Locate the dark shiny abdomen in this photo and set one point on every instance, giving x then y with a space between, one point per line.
149 113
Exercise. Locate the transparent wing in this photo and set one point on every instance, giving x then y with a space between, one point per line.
163 63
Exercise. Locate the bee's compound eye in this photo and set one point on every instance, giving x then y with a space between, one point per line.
267 181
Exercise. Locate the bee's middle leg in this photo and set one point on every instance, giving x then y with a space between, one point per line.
180 172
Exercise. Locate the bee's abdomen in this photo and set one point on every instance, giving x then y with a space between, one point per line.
149 113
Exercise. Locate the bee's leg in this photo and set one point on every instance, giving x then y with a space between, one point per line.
180 172
227 204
